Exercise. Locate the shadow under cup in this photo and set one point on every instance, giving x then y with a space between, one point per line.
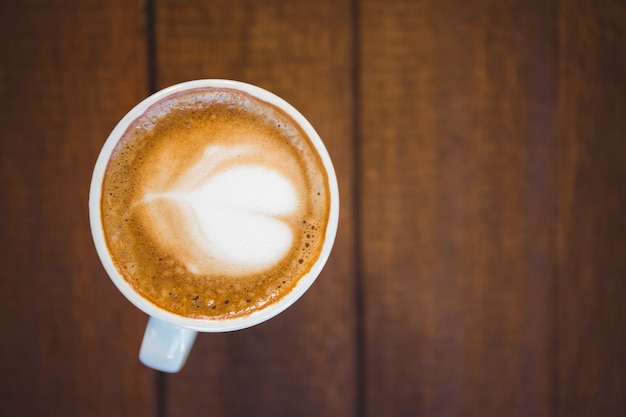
170 335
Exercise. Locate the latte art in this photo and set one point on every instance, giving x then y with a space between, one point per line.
214 204
232 221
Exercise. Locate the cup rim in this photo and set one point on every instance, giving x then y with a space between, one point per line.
224 324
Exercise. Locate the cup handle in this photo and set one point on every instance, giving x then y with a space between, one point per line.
165 347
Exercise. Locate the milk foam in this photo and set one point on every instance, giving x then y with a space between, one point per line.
225 214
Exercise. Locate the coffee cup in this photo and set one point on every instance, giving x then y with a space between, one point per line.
213 207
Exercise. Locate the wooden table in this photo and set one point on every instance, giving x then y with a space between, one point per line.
480 265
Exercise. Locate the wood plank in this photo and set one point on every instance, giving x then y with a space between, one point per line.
592 206
457 169
69 340
302 362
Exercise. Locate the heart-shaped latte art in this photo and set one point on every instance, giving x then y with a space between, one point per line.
226 214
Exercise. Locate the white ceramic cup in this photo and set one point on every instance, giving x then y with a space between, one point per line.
169 337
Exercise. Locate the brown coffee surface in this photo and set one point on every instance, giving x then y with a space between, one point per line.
214 204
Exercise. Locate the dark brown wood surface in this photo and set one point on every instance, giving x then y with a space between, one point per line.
303 362
480 264
458 202
591 234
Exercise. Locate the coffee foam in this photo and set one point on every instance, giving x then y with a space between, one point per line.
214 204
223 216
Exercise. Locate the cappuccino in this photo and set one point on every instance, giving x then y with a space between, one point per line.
214 204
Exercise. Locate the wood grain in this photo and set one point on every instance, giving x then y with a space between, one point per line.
592 205
457 185
302 362
69 339
480 263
